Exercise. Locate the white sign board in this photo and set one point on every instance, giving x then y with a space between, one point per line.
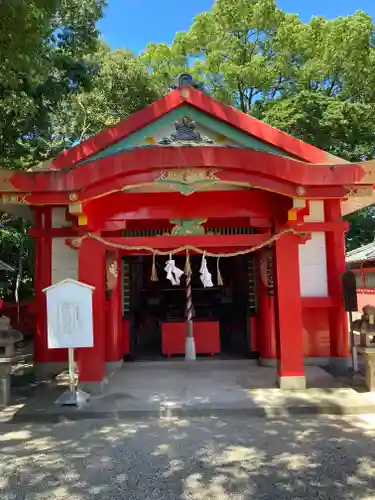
69 315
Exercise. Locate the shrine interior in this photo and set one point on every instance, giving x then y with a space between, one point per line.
150 304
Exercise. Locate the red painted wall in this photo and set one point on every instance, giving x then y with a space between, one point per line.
365 297
316 342
43 278
316 336
21 316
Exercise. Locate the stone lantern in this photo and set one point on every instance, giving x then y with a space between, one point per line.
366 328
8 341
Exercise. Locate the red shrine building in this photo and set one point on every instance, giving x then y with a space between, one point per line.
200 180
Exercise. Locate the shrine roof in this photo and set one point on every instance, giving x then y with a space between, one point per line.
188 97
177 135
364 253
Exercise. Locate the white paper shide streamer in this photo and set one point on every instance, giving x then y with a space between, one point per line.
206 277
173 272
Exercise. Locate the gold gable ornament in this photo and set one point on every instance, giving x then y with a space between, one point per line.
186 180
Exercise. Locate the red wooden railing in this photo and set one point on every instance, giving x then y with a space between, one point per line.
21 316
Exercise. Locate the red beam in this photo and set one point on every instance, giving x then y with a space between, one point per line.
43 198
207 205
49 198
341 226
363 269
55 232
204 242
231 160
239 178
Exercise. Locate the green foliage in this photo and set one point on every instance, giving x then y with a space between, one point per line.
60 85
16 250
165 63
343 128
362 228
120 86
315 81
24 25
43 45
238 49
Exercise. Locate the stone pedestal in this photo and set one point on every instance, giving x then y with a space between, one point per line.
292 383
369 358
5 371
8 340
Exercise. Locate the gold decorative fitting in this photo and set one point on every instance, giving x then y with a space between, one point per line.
221 139
82 220
187 175
186 179
150 140
15 199
113 269
359 191
73 196
292 215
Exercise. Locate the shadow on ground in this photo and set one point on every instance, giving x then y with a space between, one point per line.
181 459
203 388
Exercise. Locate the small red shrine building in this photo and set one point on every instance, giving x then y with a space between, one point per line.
189 171
362 262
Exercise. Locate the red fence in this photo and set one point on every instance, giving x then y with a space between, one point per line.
365 297
365 277
21 316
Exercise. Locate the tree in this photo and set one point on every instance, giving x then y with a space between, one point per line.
315 81
239 50
120 86
43 50
362 228
24 25
51 40
16 250
165 63
249 50
344 128
334 57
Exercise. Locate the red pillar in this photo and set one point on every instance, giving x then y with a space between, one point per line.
266 332
335 250
290 363
114 335
91 270
43 271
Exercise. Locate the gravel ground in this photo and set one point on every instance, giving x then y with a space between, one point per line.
201 458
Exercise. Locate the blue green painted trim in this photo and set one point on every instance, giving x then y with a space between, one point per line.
236 136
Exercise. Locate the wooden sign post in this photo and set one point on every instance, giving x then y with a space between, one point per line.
70 325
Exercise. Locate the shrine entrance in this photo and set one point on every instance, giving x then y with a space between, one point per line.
157 309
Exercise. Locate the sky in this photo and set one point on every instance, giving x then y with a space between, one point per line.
132 24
